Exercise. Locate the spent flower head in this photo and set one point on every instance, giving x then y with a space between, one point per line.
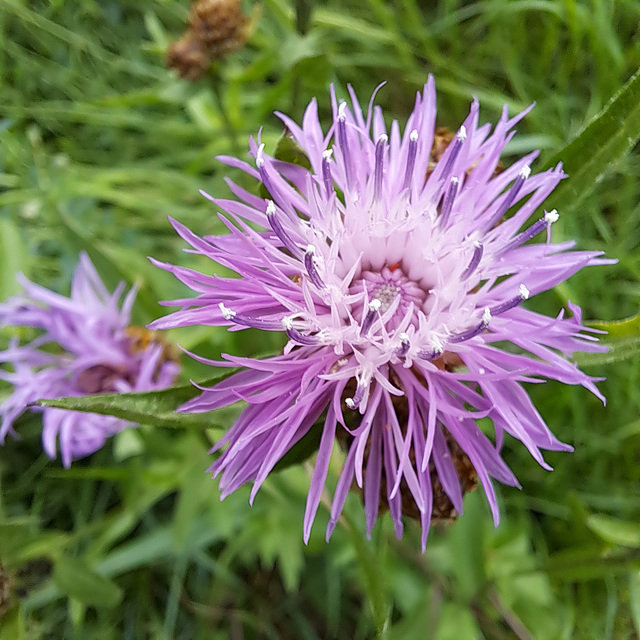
399 282
83 345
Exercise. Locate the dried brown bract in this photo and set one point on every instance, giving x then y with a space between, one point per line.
216 29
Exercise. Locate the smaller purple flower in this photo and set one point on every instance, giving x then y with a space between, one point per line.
83 345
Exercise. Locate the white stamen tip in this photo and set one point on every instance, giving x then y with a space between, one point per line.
271 208
404 338
310 250
384 138
436 344
287 323
350 403
486 316
477 244
227 313
341 112
462 134
551 216
525 172
375 305
455 181
260 156
326 155
523 292
413 136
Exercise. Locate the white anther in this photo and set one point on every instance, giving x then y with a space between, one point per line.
413 136
476 244
271 208
260 156
326 155
551 216
436 344
383 138
523 292
375 305
287 323
462 133
486 316
341 112
525 172
227 313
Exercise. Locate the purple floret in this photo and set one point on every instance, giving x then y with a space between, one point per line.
398 293
83 346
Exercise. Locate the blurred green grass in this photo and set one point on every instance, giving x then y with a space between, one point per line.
99 143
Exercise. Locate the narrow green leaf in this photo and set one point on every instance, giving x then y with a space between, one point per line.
605 140
620 532
151 407
627 328
619 350
76 579
579 564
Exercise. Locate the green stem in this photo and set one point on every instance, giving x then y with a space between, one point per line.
373 578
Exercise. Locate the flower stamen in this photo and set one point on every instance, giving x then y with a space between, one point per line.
378 170
344 144
404 347
411 158
523 294
310 266
545 222
461 136
447 203
374 307
280 231
436 350
478 249
247 321
474 331
510 199
296 336
327 179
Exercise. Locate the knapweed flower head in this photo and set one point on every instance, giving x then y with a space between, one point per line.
401 284
83 345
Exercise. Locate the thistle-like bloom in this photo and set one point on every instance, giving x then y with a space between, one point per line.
399 279
84 345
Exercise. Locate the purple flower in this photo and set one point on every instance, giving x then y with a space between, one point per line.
83 346
402 299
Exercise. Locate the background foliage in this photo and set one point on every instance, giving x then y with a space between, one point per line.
99 142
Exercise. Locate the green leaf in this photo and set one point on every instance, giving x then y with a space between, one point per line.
288 150
605 140
619 350
76 579
150 407
579 564
620 532
628 328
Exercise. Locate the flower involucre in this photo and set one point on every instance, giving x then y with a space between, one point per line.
396 280
83 346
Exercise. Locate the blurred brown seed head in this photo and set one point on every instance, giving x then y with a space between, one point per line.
216 29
